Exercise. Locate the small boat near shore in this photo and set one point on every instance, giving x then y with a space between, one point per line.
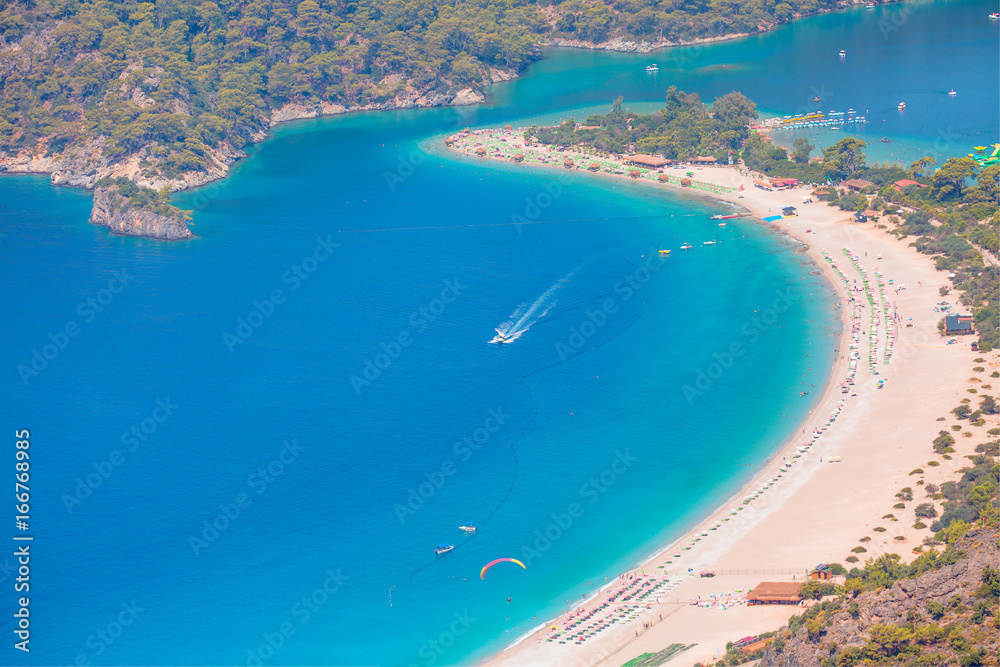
712 242
725 217
664 253
901 106
443 548
886 140
468 527
686 246
652 68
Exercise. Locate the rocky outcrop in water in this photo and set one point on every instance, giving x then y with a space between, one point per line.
119 215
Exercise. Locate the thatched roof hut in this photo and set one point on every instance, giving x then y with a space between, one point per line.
776 592
594 166
480 151
634 173
663 178
518 157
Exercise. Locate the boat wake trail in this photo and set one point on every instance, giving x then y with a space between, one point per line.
525 315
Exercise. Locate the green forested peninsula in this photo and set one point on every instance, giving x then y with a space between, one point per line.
682 129
173 89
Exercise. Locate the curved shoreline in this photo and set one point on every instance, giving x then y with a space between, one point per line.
703 520
764 529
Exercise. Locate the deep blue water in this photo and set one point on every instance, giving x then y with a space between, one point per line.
125 569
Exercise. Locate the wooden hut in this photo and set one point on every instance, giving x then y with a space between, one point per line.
663 178
686 182
776 592
634 173
518 157
594 166
821 572
568 163
641 160
857 184
480 151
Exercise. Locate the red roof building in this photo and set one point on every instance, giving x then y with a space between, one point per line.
906 183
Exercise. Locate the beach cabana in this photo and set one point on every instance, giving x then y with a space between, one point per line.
704 159
663 178
518 157
789 211
634 173
594 166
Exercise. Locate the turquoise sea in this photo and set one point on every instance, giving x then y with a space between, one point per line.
245 447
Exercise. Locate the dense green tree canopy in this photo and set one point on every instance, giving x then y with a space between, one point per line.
684 128
174 78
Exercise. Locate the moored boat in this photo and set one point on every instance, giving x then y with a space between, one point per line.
686 246
952 93
664 253
443 548
468 527
725 217
652 68
712 242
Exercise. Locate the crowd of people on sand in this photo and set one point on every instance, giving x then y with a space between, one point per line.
509 145
637 592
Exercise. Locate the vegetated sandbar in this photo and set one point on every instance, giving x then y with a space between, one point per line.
798 511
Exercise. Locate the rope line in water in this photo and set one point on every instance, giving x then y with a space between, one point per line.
508 224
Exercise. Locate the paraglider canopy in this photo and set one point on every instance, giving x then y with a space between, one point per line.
486 568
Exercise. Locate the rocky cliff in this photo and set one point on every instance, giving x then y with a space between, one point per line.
948 616
119 215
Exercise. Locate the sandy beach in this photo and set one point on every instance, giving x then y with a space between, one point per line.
802 509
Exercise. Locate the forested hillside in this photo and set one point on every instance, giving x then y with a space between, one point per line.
162 92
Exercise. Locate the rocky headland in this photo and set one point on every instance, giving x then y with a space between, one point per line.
122 216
